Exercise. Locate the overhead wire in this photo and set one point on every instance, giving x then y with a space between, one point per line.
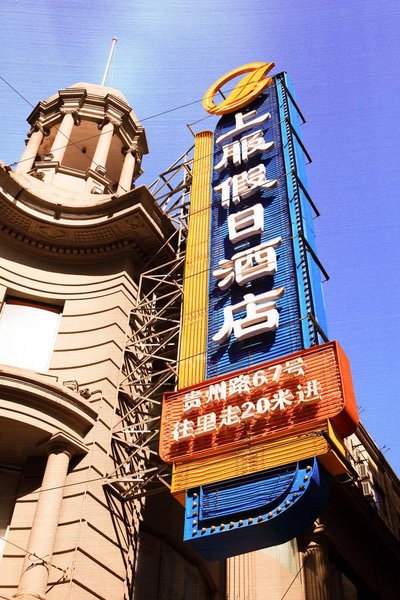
145 119
16 91
295 576
279 177
200 354
155 115
284 175
57 487
42 560
192 162
96 136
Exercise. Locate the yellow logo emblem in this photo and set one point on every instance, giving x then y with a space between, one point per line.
248 88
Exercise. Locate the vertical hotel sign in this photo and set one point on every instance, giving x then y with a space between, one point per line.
264 295
252 294
250 297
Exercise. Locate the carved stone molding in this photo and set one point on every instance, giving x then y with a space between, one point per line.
102 224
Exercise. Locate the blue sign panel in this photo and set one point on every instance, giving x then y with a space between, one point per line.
257 511
262 275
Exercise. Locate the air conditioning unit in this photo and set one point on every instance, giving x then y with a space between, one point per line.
363 470
367 489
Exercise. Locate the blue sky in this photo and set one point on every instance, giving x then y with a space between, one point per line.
344 62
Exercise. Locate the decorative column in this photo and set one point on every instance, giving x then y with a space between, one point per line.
128 169
29 154
103 146
62 138
240 577
97 171
35 572
320 578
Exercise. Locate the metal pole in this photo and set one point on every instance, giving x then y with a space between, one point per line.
113 43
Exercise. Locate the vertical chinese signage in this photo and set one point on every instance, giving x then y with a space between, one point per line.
243 357
263 274
251 292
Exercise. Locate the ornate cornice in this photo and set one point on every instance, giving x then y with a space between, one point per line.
108 225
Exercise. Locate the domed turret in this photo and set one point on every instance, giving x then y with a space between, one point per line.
86 140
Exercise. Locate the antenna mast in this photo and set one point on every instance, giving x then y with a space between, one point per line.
113 44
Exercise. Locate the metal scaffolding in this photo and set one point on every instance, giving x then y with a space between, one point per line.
151 351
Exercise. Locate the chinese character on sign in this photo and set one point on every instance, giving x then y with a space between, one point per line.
239 385
259 378
243 123
216 392
261 316
295 367
281 399
244 185
243 149
183 430
192 400
246 223
206 424
250 264
311 393
230 416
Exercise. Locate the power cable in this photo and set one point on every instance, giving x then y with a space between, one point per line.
98 135
42 560
199 354
295 577
169 110
58 487
16 91
217 202
155 115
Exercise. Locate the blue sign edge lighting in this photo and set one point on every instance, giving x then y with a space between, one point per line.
312 301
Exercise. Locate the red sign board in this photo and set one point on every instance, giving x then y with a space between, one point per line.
273 400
